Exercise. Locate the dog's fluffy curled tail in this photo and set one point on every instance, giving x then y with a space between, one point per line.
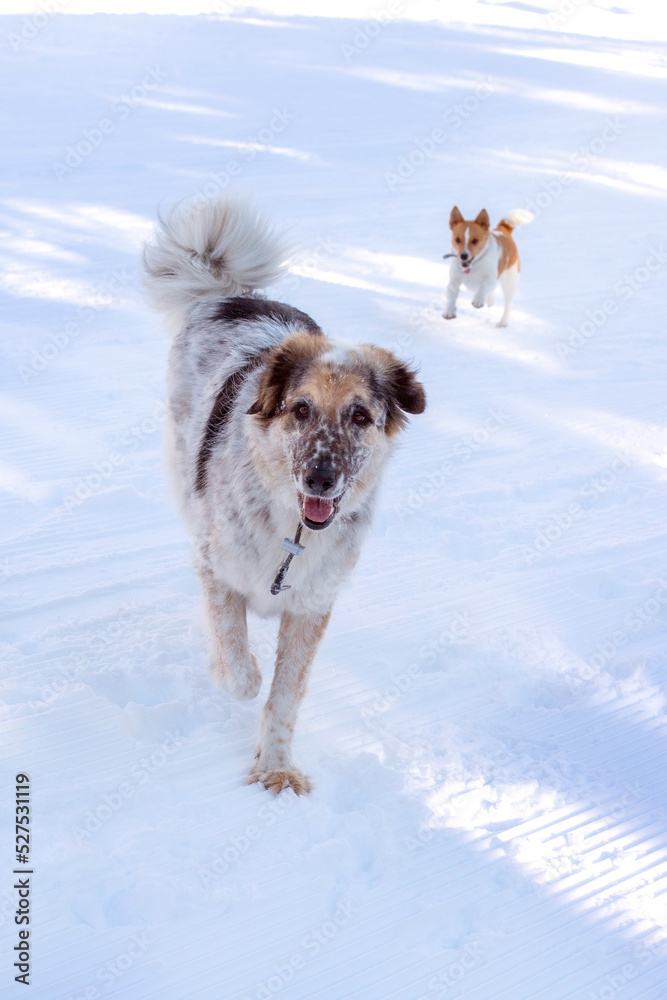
517 217
219 247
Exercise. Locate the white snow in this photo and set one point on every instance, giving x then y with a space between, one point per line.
486 718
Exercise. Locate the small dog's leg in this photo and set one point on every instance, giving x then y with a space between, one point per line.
298 640
509 279
234 666
452 295
482 294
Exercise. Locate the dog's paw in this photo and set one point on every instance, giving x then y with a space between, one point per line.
449 315
278 781
240 681
478 303
501 324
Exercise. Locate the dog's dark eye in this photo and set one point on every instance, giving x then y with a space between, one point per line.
302 411
458 239
474 241
360 418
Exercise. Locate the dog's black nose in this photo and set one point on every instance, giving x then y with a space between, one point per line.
464 255
320 479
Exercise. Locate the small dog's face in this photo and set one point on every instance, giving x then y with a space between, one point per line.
330 414
468 238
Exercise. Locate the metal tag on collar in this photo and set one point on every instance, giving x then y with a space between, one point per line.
293 547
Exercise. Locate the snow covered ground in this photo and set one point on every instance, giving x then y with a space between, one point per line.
486 718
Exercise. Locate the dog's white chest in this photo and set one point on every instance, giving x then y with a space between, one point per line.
480 272
250 566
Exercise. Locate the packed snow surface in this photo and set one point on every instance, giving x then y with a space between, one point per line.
485 723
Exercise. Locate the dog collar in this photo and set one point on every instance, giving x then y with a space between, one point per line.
479 255
294 549
466 270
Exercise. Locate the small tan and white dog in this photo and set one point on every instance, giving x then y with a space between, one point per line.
484 258
274 430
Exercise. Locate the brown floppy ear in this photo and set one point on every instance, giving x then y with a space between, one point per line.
455 217
483 219
396 385
406 396
285 364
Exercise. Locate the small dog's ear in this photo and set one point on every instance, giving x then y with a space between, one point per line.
483 219
455 217
284 364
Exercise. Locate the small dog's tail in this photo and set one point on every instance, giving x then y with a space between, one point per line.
517 217
219 247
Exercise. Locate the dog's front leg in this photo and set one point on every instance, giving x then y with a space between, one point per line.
483 292
298 640
452 295
234 666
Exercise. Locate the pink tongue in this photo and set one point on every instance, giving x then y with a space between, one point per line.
316 509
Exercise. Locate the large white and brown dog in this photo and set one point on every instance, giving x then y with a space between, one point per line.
483 258
277 436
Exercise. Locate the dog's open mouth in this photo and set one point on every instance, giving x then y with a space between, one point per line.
317 512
